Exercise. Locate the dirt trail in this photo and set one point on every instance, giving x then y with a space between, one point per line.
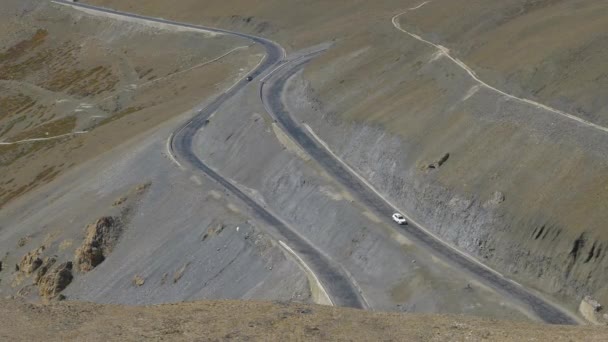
446 52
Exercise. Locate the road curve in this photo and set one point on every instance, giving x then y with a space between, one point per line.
270 94
340 287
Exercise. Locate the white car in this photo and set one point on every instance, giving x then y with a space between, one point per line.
399 218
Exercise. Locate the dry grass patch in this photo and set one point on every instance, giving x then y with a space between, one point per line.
83 82
24 46
17 104
43 177
50 129
122 113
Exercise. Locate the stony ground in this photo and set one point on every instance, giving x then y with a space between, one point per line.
261 321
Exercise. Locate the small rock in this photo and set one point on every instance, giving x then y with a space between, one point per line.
55 281
496 199
142 187
25 291
88 257
138 280
44 268
597 307
437 164
119 201
23 241
180 273
31 261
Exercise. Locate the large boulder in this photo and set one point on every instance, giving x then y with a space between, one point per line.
31 261
47 263
55 281
100 238
88 257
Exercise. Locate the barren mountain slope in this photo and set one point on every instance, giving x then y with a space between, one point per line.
523 187
551 51
64 72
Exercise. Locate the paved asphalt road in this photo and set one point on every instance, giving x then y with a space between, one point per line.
334 279
271 97
341 289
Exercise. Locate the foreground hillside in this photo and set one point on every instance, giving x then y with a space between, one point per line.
234 320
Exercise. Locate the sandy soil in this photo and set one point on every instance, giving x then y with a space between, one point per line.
261 321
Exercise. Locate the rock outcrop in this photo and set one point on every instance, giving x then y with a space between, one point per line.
88 256
47 263
437 164
55 281
98 243
138 280
496 199
31 261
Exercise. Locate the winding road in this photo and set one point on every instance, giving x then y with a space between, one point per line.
382 207
332 279
274 72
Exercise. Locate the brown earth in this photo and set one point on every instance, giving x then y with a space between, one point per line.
55 80
260 321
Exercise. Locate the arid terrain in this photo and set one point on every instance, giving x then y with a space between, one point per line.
139 165
261 321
